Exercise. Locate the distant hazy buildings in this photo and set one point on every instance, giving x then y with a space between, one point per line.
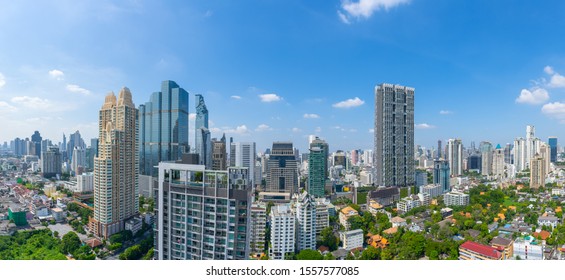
116 168
51 161
242 154
163 127
394 135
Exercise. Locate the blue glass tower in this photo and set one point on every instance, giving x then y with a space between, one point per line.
553 148
441 174
163 127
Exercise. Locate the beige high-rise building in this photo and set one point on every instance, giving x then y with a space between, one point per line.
537 171
498 162
116 167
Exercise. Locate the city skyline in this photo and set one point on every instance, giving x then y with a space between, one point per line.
312 73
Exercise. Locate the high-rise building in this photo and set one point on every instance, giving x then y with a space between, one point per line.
520 154
219 155
530 143
36 139
305 211
508 153
116 168
202 214
552 141
283 231
257 226
421 177
51 162
486 158
78 160
202 133
498 162
439 149
538 171
455 156
441 175
394 135
163 127
340 158
75 140
282 173
317 167
242 154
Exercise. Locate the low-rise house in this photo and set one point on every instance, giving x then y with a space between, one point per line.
345 214
398 222
492 227
475 251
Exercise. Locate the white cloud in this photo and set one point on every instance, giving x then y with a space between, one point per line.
445 112
192 116
7 108
371 130
365 8
423 126
555 110
535 96
263 127
349 103
77 89
311 116
269 97
236 97
32 102
2 80
548 70
557 81
242 129
57 74
296 129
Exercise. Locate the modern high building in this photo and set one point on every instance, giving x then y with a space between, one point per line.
520 154
203 142
439 155
36 139
75 140
282 173
421 177
283 231
163 127
498 162
305 211
552 141
441 175
116 168
538 171
51 162
78 160
486 158
474 162
394 135
455 156
242 154
317 167
219 154
257 232
530 143
202 214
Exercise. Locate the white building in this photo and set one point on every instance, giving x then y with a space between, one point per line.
527 248
345 214
85 182
558 191
322 215
134 224
408 203
305 209
242 154
455 156
433 190
549 220
456 198
352 239
283 226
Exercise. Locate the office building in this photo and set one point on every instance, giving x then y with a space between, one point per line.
421 177
552 141
242 154
51 161
219 154
317 167
116 168
455 157
282 173
441 175
163 127
283 231
36 140
394 135
202 214
486 158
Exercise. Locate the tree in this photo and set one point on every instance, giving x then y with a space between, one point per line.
70 243
371 253
356 222
309 254
132 253
56 234
328 238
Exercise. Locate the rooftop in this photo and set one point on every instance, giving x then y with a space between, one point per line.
481 249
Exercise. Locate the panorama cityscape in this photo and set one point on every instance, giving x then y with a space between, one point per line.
282 131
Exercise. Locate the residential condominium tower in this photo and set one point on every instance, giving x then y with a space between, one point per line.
116 168
455 156
202 214
394 135
242 154
317 167
163 127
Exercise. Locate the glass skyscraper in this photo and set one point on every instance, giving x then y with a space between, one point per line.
163 127
317 167
552 141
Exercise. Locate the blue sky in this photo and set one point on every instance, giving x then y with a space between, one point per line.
281 70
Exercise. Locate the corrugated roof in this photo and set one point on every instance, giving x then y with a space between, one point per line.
481 249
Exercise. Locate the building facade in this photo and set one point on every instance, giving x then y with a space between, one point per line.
394 135
163 127
455 156
441 175
317 167
202 214
282 169
116 168
283 231
242 154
